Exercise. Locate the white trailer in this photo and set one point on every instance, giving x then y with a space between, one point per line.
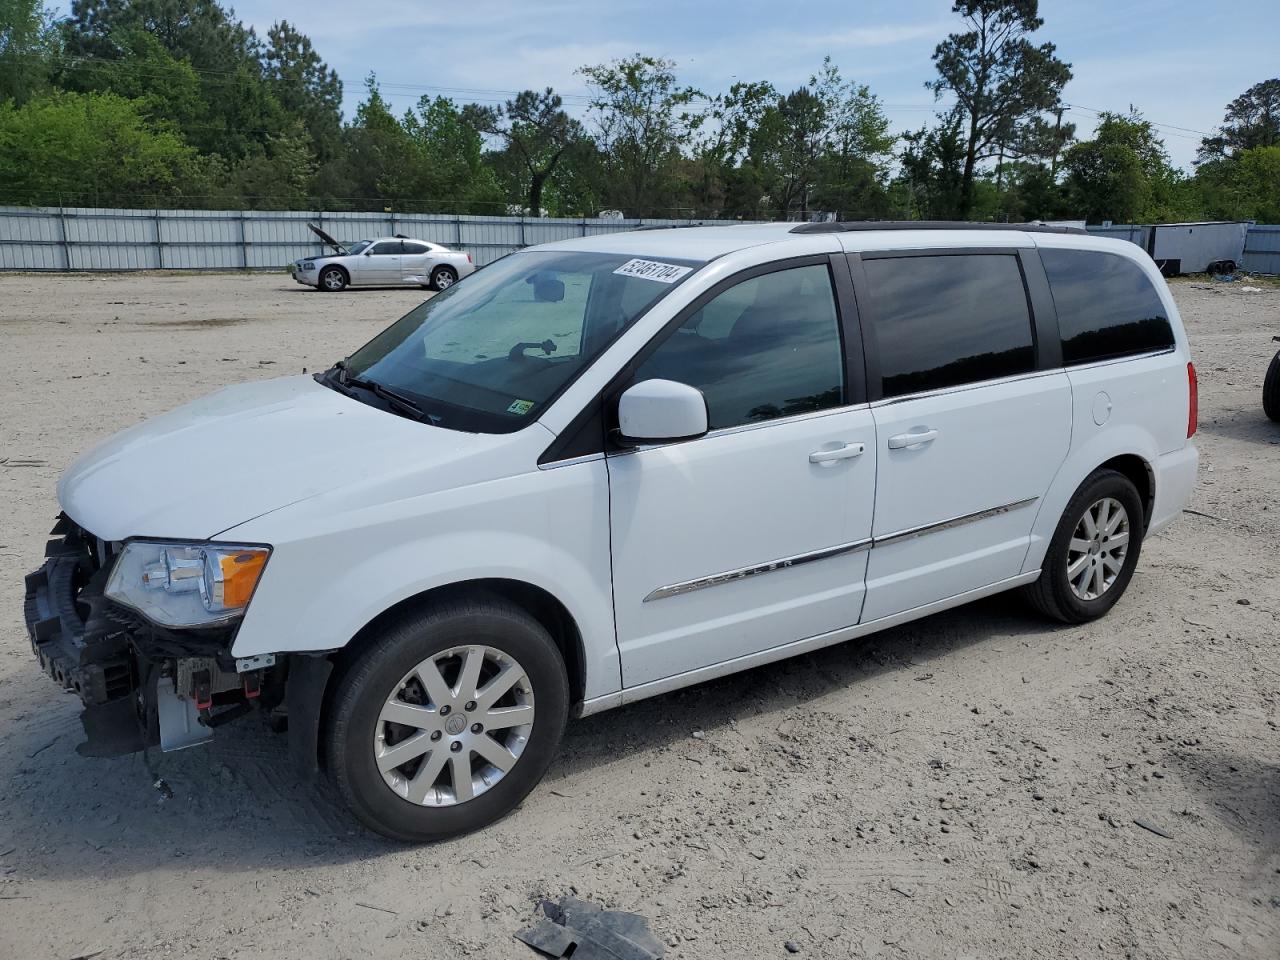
1215 247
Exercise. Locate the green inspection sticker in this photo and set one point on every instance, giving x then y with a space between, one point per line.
520 407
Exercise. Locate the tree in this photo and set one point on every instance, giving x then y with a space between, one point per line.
239 113
165 88
1252 120
1000 79
1245 186
305 86
641 120
721 142
1123 174
94 148
932 171
827 141
28 43
535 133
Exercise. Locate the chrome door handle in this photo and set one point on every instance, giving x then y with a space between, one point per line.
904 440
848 451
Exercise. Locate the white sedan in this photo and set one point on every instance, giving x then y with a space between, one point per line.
383 262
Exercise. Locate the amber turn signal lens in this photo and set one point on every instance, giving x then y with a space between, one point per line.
240 574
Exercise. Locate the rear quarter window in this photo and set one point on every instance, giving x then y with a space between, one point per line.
1107 307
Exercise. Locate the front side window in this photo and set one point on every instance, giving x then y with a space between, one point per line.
386 248
941 321
1106 306
490 352
767 347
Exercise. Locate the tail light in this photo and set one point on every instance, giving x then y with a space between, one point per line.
1193 401
469 260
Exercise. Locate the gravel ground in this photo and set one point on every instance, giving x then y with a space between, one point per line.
972 785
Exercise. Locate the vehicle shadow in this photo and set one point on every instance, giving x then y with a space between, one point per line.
1248 424
238 804
1243 793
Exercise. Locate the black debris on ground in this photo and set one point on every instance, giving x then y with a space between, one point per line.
586 931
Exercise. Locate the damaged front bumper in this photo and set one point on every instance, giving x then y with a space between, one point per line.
141 685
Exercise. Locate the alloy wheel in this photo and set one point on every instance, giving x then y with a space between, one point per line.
454 726
1099 543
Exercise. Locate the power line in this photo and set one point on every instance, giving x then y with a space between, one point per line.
1162 126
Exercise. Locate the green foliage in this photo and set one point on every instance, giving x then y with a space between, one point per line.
305 87
89 149
1243 187
135 102
931 184
1002 82
28 47
535 133
1123 174
1252 120
642 120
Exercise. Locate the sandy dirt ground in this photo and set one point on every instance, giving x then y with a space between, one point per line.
965 786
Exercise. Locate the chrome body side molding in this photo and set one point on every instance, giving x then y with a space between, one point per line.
729 576
688 586
960 521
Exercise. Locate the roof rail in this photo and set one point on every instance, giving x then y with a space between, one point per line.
853 226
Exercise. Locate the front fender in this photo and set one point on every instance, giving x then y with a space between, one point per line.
549 529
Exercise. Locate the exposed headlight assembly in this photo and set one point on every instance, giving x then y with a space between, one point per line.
187 584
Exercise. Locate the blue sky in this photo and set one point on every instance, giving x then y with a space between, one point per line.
1177 63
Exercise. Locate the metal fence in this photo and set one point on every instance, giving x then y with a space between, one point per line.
1262 249
82 238
1261 244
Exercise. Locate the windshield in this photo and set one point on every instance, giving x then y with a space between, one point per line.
357 247
489 353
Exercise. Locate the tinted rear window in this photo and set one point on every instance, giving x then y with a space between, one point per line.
941 321
1107 306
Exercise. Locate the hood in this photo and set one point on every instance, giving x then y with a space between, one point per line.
326 239
245 451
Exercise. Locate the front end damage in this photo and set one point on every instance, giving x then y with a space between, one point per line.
142 685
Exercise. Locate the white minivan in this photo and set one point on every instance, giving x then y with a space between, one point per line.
602 469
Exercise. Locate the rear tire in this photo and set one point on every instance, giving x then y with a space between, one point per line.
1271 390
452 779
333 279
443 277
1083 575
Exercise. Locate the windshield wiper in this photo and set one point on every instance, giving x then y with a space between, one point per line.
397 401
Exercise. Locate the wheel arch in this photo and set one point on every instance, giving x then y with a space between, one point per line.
334 266
1141 474
1129 451
541 604
537 601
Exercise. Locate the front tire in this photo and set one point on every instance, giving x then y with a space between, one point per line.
442 278
333 279
1094 550
447 720
1271 390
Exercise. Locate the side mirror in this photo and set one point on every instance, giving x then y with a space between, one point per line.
661 411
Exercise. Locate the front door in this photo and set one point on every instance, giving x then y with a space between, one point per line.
756 534
381 264
970 427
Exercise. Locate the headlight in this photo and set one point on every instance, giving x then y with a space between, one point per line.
187 584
